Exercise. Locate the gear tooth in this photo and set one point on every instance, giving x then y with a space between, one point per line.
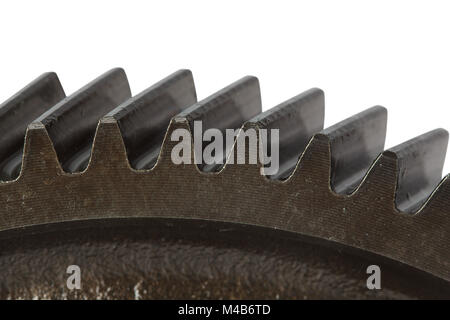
419 168
251 171
17 113
71 124
143 119
108 140
165 161
39 156
297 120
228 108
380 182
355 143
439 199
313 166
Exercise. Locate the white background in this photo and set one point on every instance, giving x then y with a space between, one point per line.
361 53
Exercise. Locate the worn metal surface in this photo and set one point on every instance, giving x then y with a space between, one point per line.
336 191
193 259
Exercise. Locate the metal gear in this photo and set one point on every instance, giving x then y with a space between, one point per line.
94 185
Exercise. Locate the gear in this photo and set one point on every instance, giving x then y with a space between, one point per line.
94 185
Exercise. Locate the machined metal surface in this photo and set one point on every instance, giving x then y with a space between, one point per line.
195 259
98 155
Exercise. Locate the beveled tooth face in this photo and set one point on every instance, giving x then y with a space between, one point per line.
297 120
420 163
17 113
355 143
71 123
228 108
143 119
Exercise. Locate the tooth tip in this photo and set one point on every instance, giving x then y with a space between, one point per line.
108 119
316 91
250 78
321 136
178 119
380 108
117 69
185 72
390 154
36 125
50 75
444 133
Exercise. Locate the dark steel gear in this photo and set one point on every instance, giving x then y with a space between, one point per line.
94 185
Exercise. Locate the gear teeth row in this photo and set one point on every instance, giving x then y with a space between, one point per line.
336 184
17 113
